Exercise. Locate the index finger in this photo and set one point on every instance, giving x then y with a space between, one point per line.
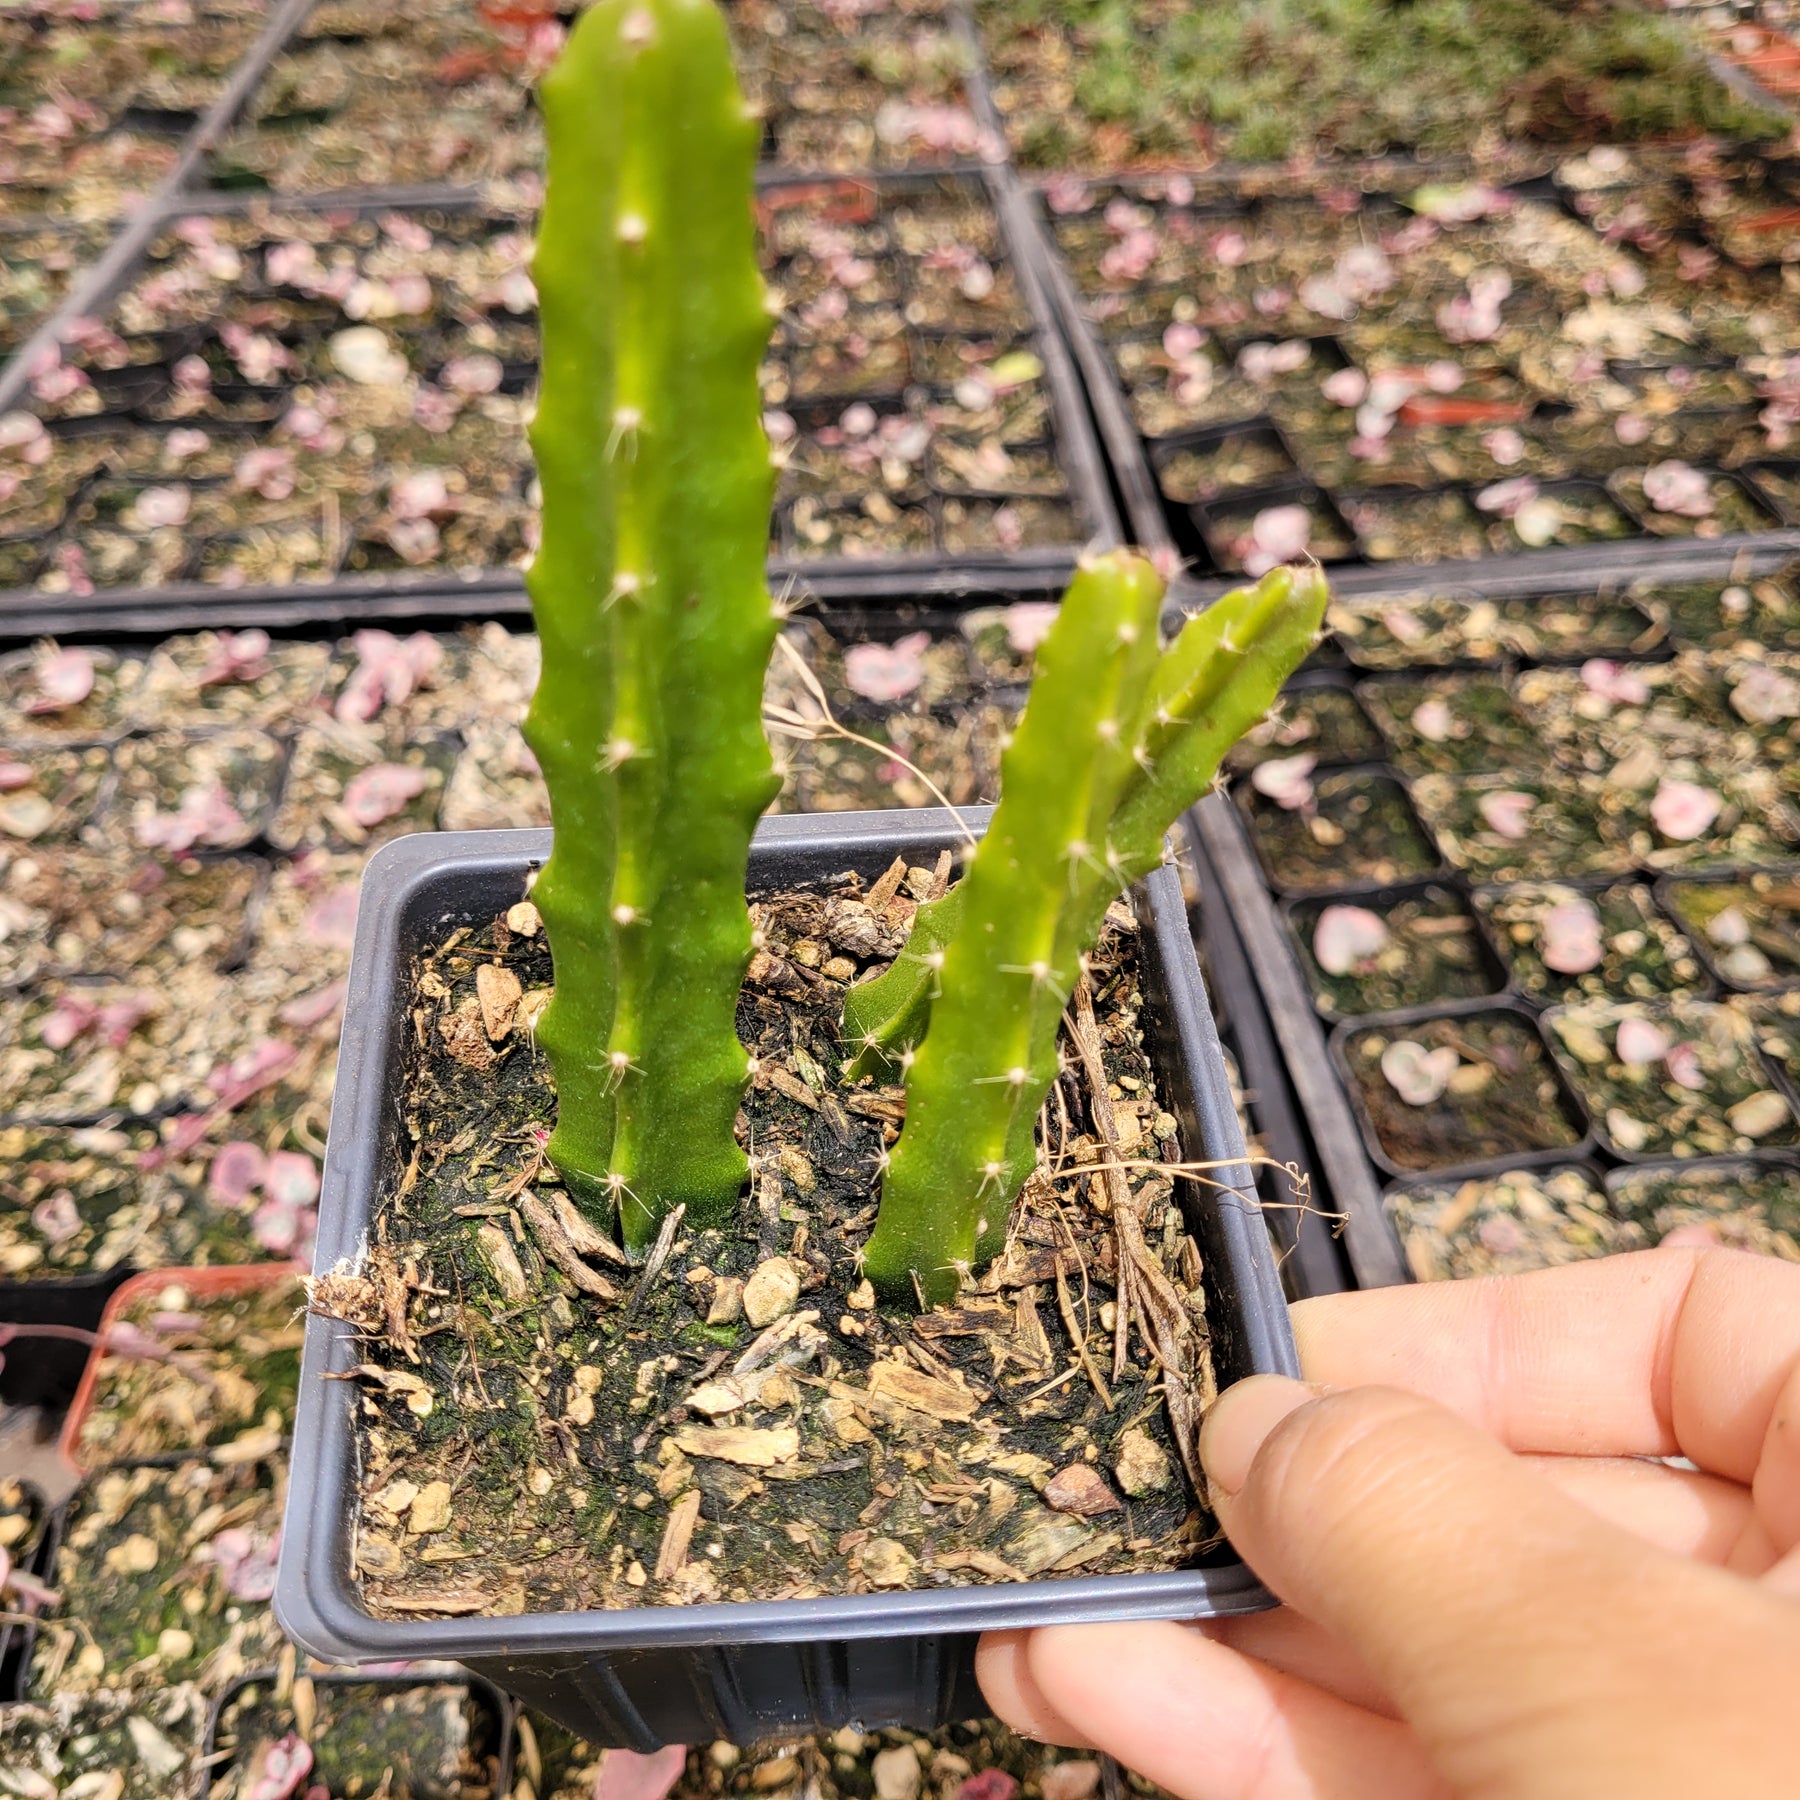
1662 1353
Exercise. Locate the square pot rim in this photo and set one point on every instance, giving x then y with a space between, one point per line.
314 1598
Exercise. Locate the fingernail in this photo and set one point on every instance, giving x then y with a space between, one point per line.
1240 1419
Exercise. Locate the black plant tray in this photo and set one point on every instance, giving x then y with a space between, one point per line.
1183 532
1348 1176
734 1671
494 1710
135 399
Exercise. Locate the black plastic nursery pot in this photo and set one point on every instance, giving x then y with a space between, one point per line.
652 1676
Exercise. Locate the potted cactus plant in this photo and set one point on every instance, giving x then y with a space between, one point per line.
754 1259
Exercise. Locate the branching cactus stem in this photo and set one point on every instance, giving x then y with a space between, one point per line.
1117 740
651 604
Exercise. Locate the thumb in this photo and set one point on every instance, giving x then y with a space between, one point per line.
1533 1648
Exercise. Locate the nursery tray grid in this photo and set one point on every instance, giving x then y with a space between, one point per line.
1517 866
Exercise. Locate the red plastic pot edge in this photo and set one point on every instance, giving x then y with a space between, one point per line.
226 1278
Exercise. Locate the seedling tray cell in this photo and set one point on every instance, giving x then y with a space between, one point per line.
1505 1224
1358 830
159 1581
1424 946
1451 724
1497 1093
443 1739
1318 715
1607 939
1745 1205
1746 929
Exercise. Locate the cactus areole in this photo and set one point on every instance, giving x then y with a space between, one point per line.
651 604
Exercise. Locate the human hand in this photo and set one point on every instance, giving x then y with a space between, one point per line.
1487 1591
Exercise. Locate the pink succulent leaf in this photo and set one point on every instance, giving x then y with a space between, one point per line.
1507 813
1762 697
281 1769
1614 682
206 815
236 1172
477 373
1347 939
1505 446
237 656
55 1217
1433 720
62 679
883 672
67 1020
267 470
1571 941
434 409
632 1775
988 1784
292 1178
1028 623
1419 1076
14 775
1640 1043
1683 810
1263 363
1683 1065
118 1019
246 1561
1508 498
20 430
259 1067
1287 780
331 920
314 1008
1675 487
374 795
276 1227
1182 339
1278 534
1502 1235
423 494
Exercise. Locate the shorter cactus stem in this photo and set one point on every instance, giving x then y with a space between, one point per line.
1116 742
885 1018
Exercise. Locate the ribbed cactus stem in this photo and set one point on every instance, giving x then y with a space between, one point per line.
1116 742
651 604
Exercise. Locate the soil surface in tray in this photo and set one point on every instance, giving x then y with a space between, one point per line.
216 1368
543 1429
976 1760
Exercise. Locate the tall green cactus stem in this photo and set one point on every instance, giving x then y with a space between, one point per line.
1115 744
650 600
